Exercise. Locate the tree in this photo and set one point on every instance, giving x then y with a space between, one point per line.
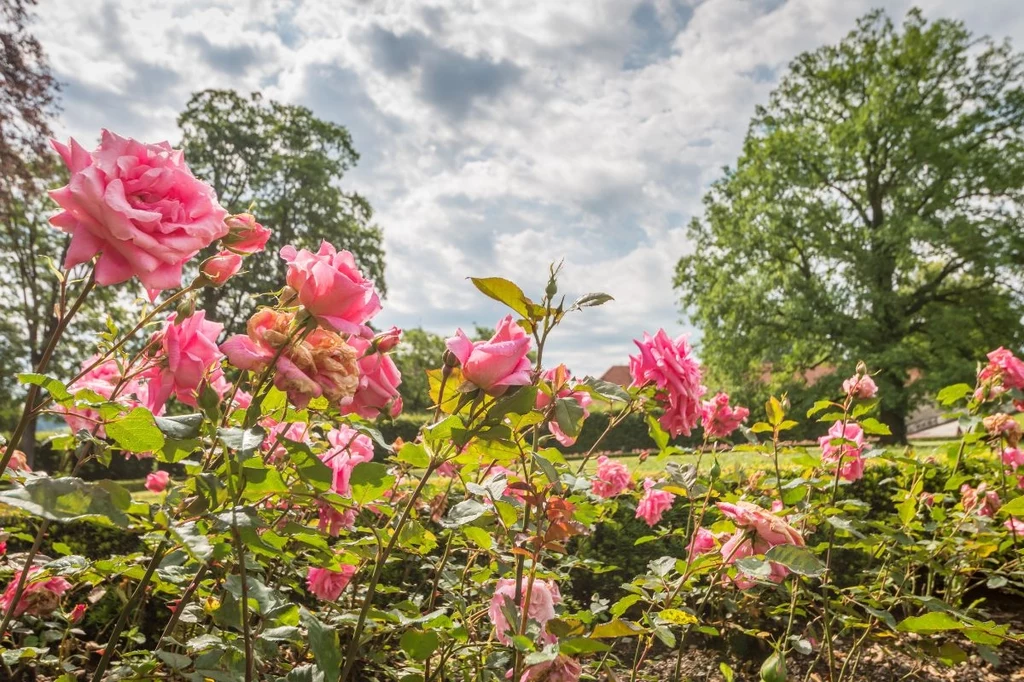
874 214
285 164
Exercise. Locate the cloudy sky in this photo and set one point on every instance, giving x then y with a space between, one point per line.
496 135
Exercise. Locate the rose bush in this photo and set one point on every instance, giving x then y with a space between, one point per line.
287 552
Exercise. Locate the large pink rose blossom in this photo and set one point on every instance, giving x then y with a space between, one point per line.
768 527
560 669
321 364
245 236
498 363
719 419
186 353
331 288
41 597
543 598
848 455
348 448
139 207
559 379
612 478
860 386
757 531
328 585
379 380
980 500
672 369
654 503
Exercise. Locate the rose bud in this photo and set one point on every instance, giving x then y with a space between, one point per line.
386 341
245 235
220 268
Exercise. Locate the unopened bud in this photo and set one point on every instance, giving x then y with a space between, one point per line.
186 308
245 235
388 340
220 268
450 359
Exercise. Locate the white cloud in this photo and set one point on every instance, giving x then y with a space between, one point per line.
495 136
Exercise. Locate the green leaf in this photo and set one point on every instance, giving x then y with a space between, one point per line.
176 661
464 512
621 606
616 628
569 416
414 455
762 427
875 428
56 389
937 621
1014 507
136 432
180 427
506 292
774 668
726 671
773 409
244 441
67 499
194 541
951 394
479 537
606 389
591 300
799 560
323 641
658 434
818 407
581 645
754 567
419 645
370 480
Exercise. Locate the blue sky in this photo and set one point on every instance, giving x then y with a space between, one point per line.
495 135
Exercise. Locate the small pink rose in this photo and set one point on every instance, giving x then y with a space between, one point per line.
156 482
245 235
222 267
497 363
76 615
328 585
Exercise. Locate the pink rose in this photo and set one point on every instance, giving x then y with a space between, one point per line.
671 368
1003 372
496 364
560 669
1013 458
558 378
322 364
848 455
387 341
1015 526
157 481
654 503
17 462
348 448
379 379
220 268
1001 424
245 235
139 207
332 289
984 502
102 380
768 527
77 614
860 386
331 520
719 419
41 597
328 585
703 542
296 432
612 478
186 352
758 530
543 598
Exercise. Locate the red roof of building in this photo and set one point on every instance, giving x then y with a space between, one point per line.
617 374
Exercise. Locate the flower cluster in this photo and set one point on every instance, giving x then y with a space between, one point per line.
1004 372
719 419
757 531
544 595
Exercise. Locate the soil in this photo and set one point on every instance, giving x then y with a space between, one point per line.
891 662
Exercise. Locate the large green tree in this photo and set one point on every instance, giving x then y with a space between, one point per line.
874 214
287 165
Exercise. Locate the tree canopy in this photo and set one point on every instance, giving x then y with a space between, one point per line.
874 214
285 165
